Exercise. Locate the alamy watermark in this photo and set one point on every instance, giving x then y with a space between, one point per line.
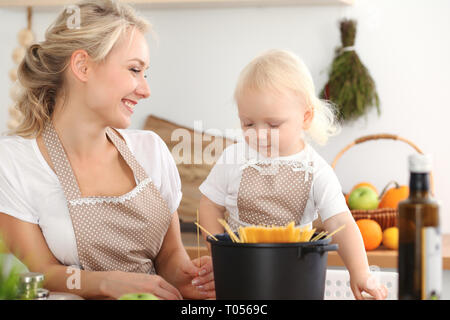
74 19
192 146
74 280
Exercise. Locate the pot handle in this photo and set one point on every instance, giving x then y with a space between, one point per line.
319 249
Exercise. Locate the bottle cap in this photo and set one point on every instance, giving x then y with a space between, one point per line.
31 277
420 163
42 294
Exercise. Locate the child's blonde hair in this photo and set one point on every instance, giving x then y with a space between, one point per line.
41 72
280 70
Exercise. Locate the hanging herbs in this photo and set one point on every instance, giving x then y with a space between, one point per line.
350 86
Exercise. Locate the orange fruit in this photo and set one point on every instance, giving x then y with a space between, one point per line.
371 233
364 184
390 238
391 197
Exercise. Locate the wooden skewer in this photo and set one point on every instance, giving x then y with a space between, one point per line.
206 231
335 231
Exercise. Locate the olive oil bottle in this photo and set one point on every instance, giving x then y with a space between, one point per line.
419 253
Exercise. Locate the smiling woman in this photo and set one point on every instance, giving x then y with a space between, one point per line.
79 189
43 72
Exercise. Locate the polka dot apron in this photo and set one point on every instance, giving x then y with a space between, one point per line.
272 192
113 233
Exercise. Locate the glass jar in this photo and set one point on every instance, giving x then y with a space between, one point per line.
29 283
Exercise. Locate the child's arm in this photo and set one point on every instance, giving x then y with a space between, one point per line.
351 250
209 212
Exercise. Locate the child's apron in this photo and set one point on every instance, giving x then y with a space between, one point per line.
113 233
272 193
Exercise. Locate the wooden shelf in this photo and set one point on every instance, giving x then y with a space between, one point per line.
182 3
381 257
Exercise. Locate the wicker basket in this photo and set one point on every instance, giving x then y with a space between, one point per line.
386 217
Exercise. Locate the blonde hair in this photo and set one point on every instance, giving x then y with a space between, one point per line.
41 72
279 70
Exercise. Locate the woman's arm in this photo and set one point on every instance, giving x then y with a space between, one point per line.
209 212
195 278
351 250
26 241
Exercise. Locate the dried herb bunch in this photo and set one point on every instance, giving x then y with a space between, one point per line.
350 86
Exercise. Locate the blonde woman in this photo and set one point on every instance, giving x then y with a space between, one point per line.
76 187
275 176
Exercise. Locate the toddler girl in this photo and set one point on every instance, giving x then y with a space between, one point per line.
274 176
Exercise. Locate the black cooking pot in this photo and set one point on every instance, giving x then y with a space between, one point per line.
269 270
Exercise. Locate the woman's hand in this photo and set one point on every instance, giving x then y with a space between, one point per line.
119 283
196 279
367 282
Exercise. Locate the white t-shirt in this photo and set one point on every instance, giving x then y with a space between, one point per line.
30 190
222 184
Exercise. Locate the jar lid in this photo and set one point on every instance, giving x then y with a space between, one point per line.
29 277
64 296
42 294
420 163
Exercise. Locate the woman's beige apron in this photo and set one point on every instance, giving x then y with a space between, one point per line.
113 233
273 192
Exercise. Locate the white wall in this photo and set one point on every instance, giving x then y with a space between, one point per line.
194 67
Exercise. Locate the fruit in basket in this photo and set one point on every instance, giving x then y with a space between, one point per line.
363 198
138 296
364 184
371 233
361 184
390 238
392 196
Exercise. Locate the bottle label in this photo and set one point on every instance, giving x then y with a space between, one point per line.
431 263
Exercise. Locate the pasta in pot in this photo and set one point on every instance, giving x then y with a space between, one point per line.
273 234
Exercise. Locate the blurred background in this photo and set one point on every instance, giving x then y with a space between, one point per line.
198 51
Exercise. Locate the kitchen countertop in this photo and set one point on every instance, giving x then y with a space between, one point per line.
381 257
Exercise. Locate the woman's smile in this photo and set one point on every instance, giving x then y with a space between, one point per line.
129 105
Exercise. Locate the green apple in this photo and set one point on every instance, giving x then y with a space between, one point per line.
138 296
363 198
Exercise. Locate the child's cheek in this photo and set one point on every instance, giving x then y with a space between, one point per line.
251 137
284 142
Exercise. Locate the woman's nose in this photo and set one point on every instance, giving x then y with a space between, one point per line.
143 89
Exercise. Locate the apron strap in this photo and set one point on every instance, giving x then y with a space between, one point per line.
126 154
62 165
60 162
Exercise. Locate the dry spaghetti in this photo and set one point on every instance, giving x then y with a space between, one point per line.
275 234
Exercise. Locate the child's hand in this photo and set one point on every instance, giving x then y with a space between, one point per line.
367 283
